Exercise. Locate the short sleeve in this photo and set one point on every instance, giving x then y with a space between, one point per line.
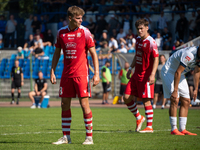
121 72
21 70
57 44
104 70
89 39
154 49
45 81
133 40
186 58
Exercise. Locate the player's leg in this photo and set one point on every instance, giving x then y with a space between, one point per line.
104 85
66 121
163 101
157 90
31 96
129 98
12 92
149 115
18 96
87 114
41 99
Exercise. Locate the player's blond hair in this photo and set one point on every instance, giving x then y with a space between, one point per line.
142 22
75 11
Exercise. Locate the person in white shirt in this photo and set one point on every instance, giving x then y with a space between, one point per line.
159 41
121 34
175 85
113 44
122 49
38 47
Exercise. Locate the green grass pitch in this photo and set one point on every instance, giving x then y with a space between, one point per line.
113 128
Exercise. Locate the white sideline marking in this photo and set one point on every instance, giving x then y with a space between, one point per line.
167 130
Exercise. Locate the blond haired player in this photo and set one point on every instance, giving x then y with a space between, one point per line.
141 84
75 41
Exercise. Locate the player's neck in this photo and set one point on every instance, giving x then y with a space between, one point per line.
72 27
144 37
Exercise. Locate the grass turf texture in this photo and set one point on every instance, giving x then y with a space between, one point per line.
113 128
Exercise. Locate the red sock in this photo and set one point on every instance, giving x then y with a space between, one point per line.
149 115
88 124
133 108
66 122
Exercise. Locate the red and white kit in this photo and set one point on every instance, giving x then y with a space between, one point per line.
146 51
75 45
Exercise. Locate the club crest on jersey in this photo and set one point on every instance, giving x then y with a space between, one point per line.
64 35
187 58
70 45
78 34
145 45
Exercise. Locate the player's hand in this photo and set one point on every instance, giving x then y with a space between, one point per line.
195 95
95 79
151 79
38 93
22 83
174 95
128 75
53 78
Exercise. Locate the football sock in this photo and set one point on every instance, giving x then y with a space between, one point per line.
88 124
18 95
182 123
66 122
12 94
173 122
133 108
149 115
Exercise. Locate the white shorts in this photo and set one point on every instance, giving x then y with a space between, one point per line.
168 85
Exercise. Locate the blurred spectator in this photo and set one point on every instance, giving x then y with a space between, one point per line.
167 38
2 25
36 24
84 22
10 31
159 41
179 6
127 24
162 22
87 5
158 83
192 24
130 42
104 38
182 26
38 47
145 7
124 81
60 23
177 43
91 26
155 5
190 83
104 51
154 34
114 33
39 33
28 28
49 37
1 41
122 49
20 53
40 89
65 22
106 81
43 24
113 24
30 43
121 34
100 26
148 18
113 45
198 22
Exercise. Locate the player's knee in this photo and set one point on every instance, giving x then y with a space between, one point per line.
174 101
186 102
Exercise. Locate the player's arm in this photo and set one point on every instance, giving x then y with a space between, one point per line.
36 88
196 81
177 77
104 75
55 60
130 68
44 88
120 74
95 78
22 78
153 72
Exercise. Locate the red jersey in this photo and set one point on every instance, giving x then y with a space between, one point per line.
75 45
146 50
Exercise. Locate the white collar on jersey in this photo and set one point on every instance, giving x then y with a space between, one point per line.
70 30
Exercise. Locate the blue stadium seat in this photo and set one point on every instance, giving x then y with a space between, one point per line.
13 56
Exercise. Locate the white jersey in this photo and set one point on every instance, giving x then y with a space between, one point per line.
186 57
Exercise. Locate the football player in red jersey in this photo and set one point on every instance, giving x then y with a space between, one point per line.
141 84
75 41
